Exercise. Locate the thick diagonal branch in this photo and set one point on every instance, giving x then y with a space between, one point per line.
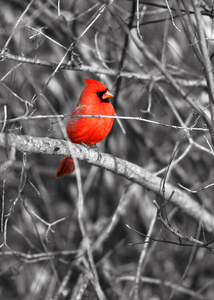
116 165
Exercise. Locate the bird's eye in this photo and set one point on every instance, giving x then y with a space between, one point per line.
100 94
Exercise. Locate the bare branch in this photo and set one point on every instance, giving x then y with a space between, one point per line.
121 167
97 70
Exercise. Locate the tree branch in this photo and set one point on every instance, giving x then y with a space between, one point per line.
191 81
130 171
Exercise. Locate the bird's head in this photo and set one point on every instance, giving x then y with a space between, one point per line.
97 89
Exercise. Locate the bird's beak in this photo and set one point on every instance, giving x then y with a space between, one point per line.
107 95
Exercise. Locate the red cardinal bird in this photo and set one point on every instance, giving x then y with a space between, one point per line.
94 100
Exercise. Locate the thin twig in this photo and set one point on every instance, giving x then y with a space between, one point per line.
97 286
182 128
2 206
171 15
5 118
142 257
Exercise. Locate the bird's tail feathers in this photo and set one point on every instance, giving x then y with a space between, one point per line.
66 167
